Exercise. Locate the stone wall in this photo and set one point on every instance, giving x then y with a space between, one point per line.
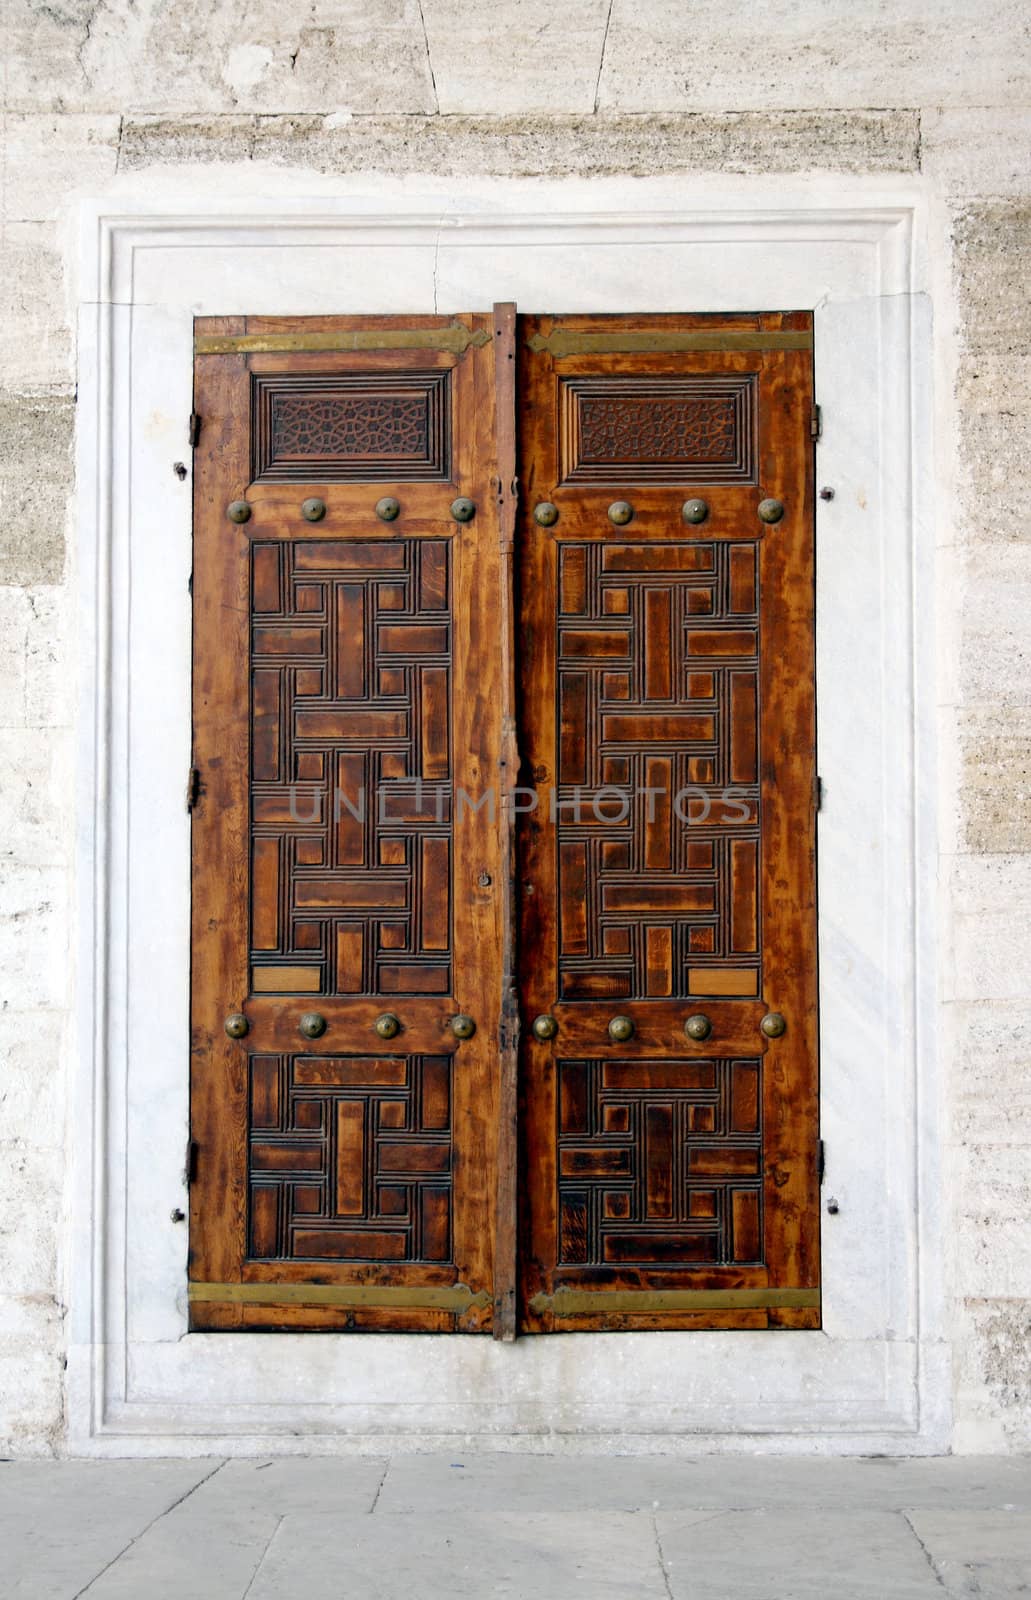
98 93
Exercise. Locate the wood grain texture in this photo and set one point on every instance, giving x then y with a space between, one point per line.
347 691
660 656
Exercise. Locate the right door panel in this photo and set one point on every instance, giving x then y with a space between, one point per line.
667 870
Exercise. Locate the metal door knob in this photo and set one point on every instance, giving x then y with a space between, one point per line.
238 511
463 1027
695 510
387 1026
773 1025
544 1027
313 510
545 514
388 509
698 1026
621 512
236 1025
463 509
312 1025
621 1029
771 510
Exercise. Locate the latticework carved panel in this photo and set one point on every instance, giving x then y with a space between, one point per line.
351 774
657 429
659 1162
352 427
658 771
349 1158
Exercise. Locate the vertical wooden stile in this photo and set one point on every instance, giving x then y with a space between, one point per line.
505 1249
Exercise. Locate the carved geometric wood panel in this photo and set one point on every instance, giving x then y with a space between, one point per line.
658 837
659 1162
350 1158
658 429
351 767
363 427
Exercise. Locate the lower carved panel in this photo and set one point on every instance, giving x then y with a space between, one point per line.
659 1163
350 1158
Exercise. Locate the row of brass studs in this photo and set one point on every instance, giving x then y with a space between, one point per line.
313 1025
388 509
621 512
696 1027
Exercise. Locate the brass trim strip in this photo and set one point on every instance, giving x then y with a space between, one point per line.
458 1298
593 1302
569 342
454 340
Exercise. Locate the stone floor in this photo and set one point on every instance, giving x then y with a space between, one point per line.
540 1527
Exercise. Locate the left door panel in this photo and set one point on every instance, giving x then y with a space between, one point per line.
347 718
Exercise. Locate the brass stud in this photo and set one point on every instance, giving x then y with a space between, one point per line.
544 1027
621 512
236 1025
771 510
238 511
545 514
698 1026
773 1025
463 1027
312 1025
313 510
388 509
695 510
621 1029
463 509
387 1026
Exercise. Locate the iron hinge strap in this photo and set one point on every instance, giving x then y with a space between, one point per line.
821 1159
599 1302
192 788
456 1297
455 339
816 423
194 429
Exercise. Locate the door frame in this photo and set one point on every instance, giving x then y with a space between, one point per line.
877 1377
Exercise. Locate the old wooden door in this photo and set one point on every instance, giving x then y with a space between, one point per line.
346 911
356 672
667 870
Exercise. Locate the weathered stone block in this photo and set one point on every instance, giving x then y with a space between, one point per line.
51 158
534 146
36 793
989 1047
515 56
991 934
992 239
34 935
49 675
663 55
109 56
995 779
992 1340
36 474
32 1109
35 337
29 1218
993 658
977 150
31 1374
992 1242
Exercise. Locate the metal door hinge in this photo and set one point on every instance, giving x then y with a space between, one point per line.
194 429
818 794
815 423
190 1170
192 788
821 1159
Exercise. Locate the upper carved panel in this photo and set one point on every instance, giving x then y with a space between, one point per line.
672 429
363 427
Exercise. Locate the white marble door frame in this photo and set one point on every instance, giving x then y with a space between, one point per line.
876 1378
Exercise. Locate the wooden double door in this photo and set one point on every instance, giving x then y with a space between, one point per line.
503 794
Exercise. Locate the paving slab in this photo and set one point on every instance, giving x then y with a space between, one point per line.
602 1557
978 1552
448 1483
795 1555
62 1522
210 1546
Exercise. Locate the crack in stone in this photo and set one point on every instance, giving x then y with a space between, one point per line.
152 1523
